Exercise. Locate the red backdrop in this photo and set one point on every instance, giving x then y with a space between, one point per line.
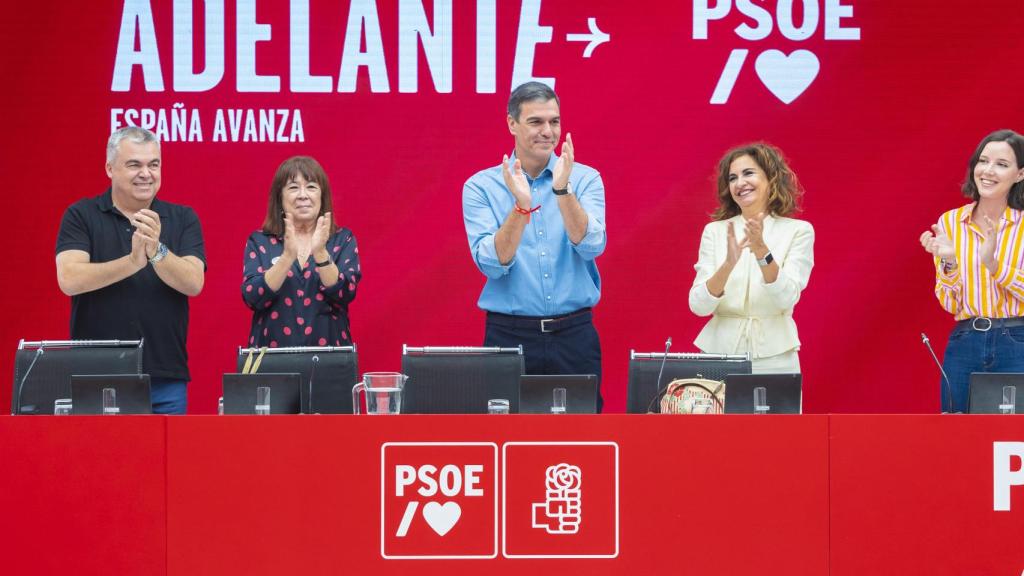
880 137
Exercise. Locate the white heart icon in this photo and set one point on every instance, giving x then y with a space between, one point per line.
442 517
787 76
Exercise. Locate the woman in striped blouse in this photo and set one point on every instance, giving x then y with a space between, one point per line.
979 267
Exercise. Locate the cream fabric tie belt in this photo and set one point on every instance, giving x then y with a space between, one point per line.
751 330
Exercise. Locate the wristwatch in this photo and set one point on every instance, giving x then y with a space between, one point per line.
562 191
161 253
768 259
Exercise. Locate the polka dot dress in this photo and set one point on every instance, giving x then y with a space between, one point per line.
303 312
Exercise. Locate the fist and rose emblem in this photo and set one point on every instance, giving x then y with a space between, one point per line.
561 512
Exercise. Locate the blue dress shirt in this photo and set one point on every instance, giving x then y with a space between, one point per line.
549 275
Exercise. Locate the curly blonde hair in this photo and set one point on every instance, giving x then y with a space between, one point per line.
784 189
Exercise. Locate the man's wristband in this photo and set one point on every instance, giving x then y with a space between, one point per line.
562 191
526 212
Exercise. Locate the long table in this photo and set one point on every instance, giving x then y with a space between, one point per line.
611 494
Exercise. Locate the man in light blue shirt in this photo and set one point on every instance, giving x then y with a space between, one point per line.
535 225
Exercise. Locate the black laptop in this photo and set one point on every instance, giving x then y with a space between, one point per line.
986 394
536 393
131 393
782 393
240 392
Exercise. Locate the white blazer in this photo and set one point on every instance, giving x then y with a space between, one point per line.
751 316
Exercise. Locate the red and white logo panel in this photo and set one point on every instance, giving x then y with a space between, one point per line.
439 500
561 499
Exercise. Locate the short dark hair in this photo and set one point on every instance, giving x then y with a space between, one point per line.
529 92
1015 199
784 189
311 170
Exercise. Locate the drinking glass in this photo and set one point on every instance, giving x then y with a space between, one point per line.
262 400
761 400
1009 403
62 407
110 402
558 401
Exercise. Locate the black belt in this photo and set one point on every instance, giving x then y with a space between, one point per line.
983 324
540 323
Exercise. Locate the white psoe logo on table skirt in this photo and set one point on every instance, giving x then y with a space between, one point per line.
1007 472
561 512
442 517
439 500
449 481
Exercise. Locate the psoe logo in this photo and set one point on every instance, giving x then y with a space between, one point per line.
439 500
786 76
1007 472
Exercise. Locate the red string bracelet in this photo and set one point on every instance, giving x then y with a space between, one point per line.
526 212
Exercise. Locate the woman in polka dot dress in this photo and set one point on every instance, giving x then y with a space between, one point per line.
301 270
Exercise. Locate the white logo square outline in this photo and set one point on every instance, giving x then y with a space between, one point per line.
383 481
504 491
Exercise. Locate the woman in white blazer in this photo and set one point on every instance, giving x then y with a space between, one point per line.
754 261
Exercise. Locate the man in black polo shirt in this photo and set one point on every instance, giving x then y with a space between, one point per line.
130 261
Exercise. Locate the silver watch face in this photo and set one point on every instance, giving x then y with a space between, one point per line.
161 251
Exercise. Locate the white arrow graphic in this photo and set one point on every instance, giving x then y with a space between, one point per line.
596 37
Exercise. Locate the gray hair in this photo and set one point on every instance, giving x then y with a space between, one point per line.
135 134
529 92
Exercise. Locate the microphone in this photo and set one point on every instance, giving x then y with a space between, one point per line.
21 384
661 370
313 361
945 378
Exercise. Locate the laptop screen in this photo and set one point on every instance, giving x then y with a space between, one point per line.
781 393
537 393
131 393
994 393
240 392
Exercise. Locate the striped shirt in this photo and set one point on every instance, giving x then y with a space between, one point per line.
970 290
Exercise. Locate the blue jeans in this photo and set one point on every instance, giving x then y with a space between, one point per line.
1000 349
169 396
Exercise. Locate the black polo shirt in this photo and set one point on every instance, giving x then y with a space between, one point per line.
140 306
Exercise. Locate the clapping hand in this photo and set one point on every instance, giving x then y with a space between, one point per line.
987 250
516 182
754 229
138 254
290 249
936 243
734 248
563 166
147 228
321 232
